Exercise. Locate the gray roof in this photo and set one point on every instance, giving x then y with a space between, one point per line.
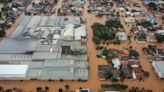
17 45
160 66
29 23
20 28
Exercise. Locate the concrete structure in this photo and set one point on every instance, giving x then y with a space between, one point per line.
37 43
10 71
158 67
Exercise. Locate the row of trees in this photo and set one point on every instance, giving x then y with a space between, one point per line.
67 87
40 89
114 86
133 53
135 89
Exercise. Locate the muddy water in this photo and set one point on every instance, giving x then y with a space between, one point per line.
93 83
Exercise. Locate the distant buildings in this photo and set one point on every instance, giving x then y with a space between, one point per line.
152 1
47 48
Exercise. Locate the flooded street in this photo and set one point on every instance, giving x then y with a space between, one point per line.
152 82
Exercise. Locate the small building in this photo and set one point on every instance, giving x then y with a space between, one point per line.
116 63
160 53
129 20
160 32
158 67
121 36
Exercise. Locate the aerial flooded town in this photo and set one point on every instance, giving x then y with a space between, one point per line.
81 46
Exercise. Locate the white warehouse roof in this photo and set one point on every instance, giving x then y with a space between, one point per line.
79 32
69 31
13 71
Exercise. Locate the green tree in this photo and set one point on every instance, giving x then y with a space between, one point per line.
153 6
135 89
109 74
67 87
159 37
60 90
145 24
96 40
113 23
133 53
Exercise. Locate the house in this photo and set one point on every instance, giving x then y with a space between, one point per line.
116 63
160 32
152 1
151 19
130 20
160 53
121 36
141 37
158 67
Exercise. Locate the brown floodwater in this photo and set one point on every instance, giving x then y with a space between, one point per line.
153 82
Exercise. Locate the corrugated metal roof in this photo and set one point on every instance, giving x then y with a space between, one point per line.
18 45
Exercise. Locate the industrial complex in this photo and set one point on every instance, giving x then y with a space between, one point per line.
45 48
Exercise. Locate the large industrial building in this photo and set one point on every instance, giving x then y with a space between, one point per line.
159 69
45 48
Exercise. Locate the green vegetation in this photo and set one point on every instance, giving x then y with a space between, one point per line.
109 54
135 89
152 6
67 87
60 90
146 73
150 50
2 33
106 33
133 53
114 23
99 15
114 86
159 37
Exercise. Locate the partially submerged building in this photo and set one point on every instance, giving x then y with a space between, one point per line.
39 44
